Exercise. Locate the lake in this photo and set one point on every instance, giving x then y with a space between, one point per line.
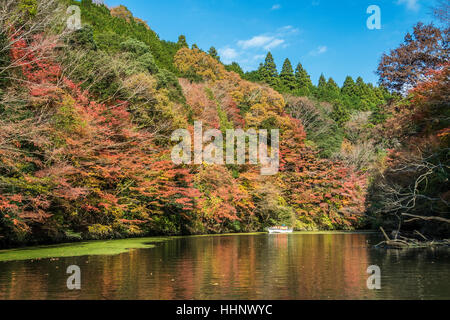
247 266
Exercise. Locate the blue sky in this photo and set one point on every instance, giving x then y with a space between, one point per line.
326 36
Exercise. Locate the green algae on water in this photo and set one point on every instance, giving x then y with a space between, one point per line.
90 248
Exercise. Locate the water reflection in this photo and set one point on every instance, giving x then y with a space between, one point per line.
296 266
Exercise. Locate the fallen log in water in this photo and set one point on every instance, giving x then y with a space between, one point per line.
401 242
397 244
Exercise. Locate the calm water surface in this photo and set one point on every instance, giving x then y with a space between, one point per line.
296 266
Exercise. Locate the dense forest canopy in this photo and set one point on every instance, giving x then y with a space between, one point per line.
87 116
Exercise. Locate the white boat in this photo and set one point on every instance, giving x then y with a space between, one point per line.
276 230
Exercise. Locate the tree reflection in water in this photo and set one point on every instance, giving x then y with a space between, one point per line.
293 266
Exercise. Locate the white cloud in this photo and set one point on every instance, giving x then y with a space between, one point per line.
228 54
273 44
322 49
259 56
255 42
261 41
276 7
410 4
286 30
319 50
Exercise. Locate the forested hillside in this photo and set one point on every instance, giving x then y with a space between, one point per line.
87 116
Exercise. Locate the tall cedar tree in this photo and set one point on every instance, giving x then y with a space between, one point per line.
321 91
349 87
303 81
268 71
287 77
333 90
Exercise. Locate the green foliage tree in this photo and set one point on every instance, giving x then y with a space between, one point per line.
213 53
83 37
268 71
235 67
340 113
28 7
182 42
321 129
255 75
141 55
349 87
135 46
98 72
147 61
332 90
109 41
303 81
321 92
322 82
287 77
366 96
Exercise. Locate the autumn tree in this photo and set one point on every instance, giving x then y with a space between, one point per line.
122 12
426 48
21 21
442 11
